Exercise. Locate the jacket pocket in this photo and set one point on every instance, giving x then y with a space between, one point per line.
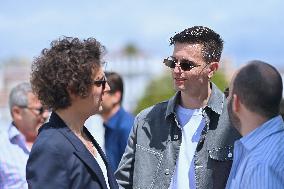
219 164
221 154
147 164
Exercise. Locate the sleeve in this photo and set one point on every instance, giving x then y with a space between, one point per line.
262 176
46 169
124 173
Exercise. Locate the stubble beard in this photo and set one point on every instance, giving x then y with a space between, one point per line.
233 117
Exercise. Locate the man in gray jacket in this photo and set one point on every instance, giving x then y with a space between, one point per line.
187 141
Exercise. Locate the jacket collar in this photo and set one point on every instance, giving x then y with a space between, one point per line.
81 150
215 102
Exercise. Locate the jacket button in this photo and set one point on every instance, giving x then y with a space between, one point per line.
175 137
230 155
167 171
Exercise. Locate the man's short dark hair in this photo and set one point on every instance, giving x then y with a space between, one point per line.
211 41
259 87
115 82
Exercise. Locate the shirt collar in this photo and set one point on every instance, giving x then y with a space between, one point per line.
269 127
215 102
18 138
14 132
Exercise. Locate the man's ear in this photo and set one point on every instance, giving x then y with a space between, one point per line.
213 66
236 103
117 96
16 112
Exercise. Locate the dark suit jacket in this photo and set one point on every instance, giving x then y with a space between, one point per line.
59 159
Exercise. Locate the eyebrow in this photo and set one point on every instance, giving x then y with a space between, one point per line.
100 78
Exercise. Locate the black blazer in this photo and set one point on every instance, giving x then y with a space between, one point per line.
59 159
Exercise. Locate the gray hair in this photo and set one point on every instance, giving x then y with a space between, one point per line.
19 95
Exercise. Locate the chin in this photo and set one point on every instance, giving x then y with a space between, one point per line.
100 109
179 88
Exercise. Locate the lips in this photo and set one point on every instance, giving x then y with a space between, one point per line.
179 81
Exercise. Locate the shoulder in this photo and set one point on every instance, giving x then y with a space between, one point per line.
158 109
126 116
5 144
270 151
4 138
264 169
51 140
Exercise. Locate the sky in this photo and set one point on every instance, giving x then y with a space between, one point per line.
251 29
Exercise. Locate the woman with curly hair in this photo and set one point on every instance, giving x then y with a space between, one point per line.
68 78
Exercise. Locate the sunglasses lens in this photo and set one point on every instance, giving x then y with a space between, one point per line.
170 63
186 65
41 110
104 84
100 83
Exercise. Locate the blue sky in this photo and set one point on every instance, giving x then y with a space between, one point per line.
251 29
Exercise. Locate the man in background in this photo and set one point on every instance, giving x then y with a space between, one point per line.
117 121
27 115
254 102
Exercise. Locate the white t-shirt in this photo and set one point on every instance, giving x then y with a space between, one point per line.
192 124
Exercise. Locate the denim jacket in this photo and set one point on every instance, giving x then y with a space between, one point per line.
153 146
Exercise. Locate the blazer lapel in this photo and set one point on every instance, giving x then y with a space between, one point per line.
90 161
81 151
111 179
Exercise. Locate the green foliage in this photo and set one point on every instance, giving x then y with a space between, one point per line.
158 90
220 80
161 89
131 50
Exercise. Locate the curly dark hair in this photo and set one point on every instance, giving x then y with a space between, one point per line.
211 41
67 66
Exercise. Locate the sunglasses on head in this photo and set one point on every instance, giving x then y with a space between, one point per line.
184 64
101 82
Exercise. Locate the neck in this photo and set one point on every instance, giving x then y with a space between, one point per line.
30 141
196 100
30 136
29 144
73 119
108 114
251 121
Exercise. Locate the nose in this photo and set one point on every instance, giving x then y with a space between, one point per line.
177 68
107 88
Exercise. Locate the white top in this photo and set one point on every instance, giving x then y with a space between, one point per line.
192 124
103 168
95 126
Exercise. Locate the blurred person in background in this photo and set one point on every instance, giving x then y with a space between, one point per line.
69 79
187 141
254 102
27 115
117 121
